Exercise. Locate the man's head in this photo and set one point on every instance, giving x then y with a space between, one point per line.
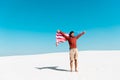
71 34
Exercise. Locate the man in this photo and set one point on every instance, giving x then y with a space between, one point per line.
73 48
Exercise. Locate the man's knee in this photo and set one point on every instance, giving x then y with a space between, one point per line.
76 60
71 61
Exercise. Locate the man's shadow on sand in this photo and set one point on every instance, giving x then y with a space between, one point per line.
53 68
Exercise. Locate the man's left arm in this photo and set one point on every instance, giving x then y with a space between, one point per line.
78 36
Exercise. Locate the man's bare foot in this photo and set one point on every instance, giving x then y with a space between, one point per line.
71 70
76 70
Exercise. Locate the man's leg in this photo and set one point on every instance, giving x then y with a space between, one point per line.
76 65
71 59
76 60
71 65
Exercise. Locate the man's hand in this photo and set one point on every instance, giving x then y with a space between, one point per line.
58 31
84 32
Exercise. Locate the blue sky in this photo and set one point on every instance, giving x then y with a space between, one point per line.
29 26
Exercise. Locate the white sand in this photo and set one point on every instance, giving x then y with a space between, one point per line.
93 65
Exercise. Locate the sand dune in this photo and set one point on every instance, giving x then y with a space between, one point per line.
93 65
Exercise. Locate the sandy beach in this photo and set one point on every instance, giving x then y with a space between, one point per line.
93 65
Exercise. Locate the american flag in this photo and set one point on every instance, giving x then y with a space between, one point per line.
60 38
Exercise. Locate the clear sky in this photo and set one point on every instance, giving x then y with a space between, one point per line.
29 26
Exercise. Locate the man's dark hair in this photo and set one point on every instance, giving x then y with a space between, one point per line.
71 33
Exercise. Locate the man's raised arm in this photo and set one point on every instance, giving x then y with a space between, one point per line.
78 36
